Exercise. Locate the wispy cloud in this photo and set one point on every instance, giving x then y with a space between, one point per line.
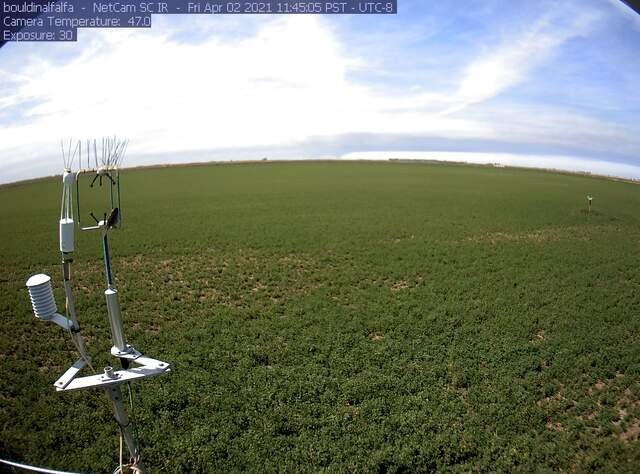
518 55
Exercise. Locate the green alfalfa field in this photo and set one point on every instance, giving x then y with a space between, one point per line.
340 317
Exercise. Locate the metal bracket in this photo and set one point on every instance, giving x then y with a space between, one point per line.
100 226
148 367
119 377
130 353
61 321
70 374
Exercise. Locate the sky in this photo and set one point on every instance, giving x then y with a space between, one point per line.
550 84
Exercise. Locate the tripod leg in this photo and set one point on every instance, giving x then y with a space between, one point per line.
115 395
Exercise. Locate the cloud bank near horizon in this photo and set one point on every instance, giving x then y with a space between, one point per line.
532 82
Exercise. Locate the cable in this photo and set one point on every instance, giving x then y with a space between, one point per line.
132 422
132 466
130 398
26 467
120 450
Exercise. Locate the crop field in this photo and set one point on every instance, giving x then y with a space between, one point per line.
340 317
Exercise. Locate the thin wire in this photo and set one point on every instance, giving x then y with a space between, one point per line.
108 154
121 436
73 157
114 157
113 162
132 466
118 150
130 399
119 468
133 423
124 150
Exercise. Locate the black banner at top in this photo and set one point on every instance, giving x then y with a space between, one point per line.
38 20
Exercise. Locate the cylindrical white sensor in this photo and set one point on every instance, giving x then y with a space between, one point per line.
115 319
66 235
41 294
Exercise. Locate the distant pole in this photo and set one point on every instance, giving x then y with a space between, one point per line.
589 201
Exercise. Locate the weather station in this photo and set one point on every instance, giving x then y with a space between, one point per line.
102 160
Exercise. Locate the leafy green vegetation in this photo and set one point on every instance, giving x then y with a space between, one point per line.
339 316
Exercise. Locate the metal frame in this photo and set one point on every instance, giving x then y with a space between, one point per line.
112 152
114 197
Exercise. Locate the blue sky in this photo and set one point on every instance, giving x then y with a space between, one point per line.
541 83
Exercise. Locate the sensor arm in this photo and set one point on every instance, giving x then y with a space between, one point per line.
61 321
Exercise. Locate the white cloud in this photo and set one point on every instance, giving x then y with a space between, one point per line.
284 84
519 54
